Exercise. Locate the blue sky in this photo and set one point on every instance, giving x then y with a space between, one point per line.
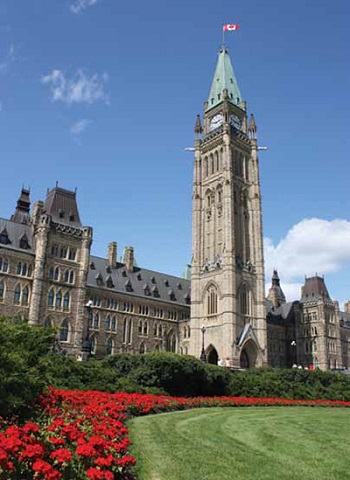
102 95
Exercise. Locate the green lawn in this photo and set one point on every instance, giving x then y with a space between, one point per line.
287 443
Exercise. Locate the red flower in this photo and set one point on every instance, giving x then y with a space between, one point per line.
62 455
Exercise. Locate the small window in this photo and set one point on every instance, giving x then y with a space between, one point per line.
72 253
23 242
25 295
51 298
96 321
17 295
66 276
57 273
108 322
19 268
30 269
113 324
71 276
93 344
2 290
59 299
71 217
64 331
66 301
51 272
109 346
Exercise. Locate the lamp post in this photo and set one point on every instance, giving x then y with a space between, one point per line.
203 356
294 352
86 346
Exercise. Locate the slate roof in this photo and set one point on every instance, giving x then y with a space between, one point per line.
279 315
62 205
139 283
314 289
15 232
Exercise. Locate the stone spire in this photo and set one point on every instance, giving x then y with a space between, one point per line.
252 128
276 295
224 79
22 214
198 126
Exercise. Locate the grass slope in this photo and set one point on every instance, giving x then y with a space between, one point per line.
289 443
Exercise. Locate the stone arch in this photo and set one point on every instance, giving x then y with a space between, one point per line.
250 355
212 355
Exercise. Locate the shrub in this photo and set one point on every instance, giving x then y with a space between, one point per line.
22 375
175 374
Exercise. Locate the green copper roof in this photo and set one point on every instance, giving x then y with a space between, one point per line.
224 78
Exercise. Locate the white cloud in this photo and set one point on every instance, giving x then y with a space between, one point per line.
311 246
8 59
81 88
79 127
78 5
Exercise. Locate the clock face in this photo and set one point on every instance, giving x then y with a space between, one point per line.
235 121
216 121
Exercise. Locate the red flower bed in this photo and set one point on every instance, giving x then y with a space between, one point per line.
83 434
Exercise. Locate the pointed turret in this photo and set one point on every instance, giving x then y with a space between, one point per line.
22 214
198 126
252 129
224 80
276 295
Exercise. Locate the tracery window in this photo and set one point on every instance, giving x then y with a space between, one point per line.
113 324
59 299
25 295
66 301
212 300
109 346
51 297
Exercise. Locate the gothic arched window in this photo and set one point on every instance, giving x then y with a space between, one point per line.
71 277
2 290
206 167
57 273
245 298
108 322
109 346
142 348
17 294
212 300
51 298
19 268
96 320
66 300
58 299
25 295
145 328
64 331
113 324
24 269
66 276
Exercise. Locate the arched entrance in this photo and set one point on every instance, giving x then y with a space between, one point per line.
248 357
212 355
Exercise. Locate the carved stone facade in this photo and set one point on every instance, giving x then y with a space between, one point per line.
48 274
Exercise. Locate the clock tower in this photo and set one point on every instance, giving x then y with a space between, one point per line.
227 278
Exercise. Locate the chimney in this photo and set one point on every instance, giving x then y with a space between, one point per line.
128 258
347 306
112 254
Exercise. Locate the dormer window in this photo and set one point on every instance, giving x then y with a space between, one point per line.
108 269
179 286
128 286
92 266
71 217
109 282
23 242
153 279
166 283
61 213
99 280
4 237
187 298
139 276
124 273
172 295
146 289
155 292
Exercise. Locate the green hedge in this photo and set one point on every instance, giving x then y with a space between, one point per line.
291 383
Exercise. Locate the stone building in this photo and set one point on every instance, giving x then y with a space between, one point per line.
49 276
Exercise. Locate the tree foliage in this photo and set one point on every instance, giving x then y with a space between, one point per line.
22 373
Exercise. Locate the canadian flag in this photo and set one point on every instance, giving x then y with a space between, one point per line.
230 26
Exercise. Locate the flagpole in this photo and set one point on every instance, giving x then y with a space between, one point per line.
223 35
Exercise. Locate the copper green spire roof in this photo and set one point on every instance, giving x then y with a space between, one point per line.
224 77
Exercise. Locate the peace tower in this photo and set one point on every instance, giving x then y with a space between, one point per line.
227 279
